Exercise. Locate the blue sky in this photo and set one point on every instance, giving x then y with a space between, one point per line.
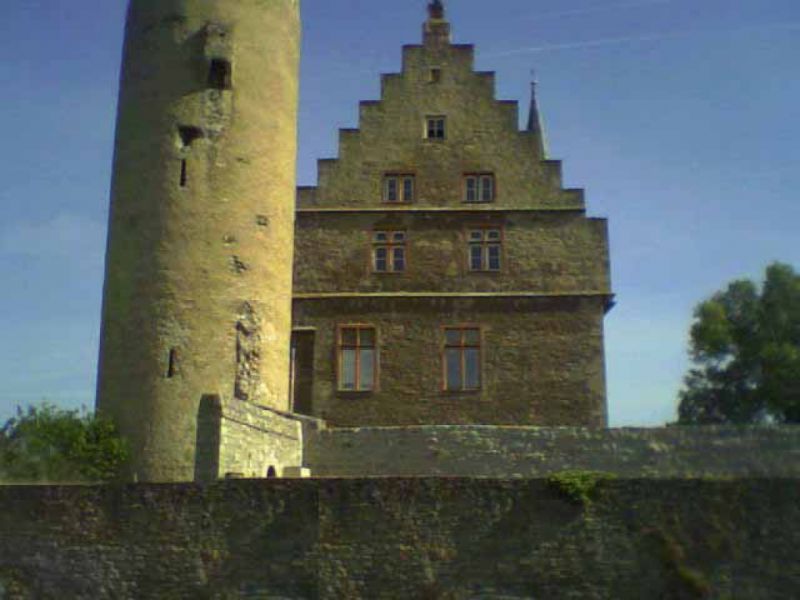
679 117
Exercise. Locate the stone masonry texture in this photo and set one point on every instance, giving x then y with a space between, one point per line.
197 295
542 253
403 538
480 451
542 362
540 315
240 439
255 439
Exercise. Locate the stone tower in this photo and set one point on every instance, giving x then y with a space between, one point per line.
197 298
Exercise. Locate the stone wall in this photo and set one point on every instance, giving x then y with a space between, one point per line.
543 253
482 136
477 451
395 538
542 361
240 439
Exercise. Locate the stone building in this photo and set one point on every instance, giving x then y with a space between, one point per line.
444 284
442 274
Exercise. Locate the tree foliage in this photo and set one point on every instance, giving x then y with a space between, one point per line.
745 346
47 444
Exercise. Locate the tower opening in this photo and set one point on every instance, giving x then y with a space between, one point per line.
172 363
184 173
219 74
189 134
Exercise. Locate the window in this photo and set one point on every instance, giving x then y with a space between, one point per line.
172 363
219 74
357 364
398 188
479 187
435 128
462 359
485 249
435 75
184 180
189 134
389 251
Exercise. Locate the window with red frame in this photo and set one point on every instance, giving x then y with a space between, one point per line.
462 359
398 189
485 249
357 358
479 188
389 251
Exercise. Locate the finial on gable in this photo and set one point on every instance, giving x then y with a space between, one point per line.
436 31
436 9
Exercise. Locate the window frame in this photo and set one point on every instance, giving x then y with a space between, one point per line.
400 178
486 244
390 245
479 177
358 347
427 127
463 327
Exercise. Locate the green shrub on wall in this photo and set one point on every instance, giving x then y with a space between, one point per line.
578 486
46 444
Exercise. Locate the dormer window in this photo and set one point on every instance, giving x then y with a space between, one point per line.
479 187
398 188
435 127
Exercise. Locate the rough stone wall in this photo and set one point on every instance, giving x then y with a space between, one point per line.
240 439
198 270
542 361
541 253
390 538
482 135
255 439
475 451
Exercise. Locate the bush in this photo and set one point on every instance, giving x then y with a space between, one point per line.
46 444
578 486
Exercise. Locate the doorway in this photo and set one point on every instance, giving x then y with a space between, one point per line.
301 383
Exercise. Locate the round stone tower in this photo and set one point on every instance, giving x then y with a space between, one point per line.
197 297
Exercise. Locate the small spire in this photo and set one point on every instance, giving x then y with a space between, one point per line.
535 119
436 9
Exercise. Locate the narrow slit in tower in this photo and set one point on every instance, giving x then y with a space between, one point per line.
172 366
184 173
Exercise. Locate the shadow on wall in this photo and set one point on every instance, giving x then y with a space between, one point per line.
209 428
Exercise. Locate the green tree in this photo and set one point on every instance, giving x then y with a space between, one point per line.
47 444
745 346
